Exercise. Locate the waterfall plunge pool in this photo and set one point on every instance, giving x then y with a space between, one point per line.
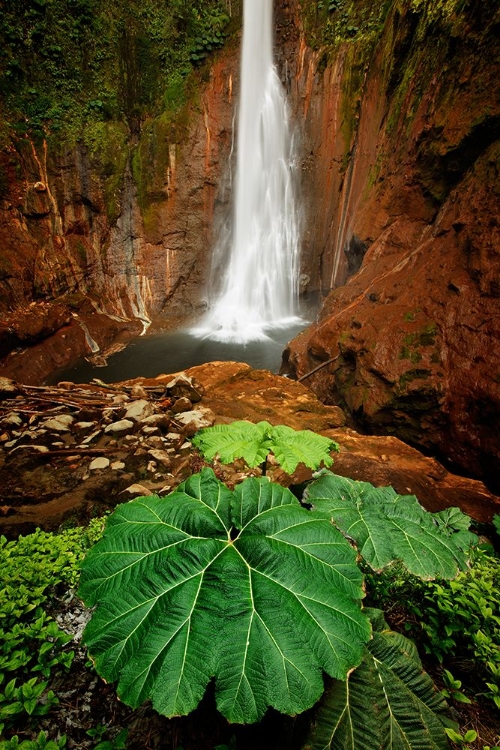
165 353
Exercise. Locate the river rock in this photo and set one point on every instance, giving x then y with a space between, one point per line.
61 423
196 419
123 425
99 463
138 392
181 405
184 386
162 457
12 420
8 388
139 410
156 420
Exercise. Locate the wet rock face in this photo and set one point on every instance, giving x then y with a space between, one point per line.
406 181
119 231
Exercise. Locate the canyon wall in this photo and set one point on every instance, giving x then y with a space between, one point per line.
400 132
113 232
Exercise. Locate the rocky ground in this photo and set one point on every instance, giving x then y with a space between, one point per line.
70 452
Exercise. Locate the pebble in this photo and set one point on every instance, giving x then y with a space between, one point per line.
99 463
182 404
150 430
38 448
89 438
197 418
84 426
138 391
61 423
123 425
136 489
14 420
161 456
117 465
139 410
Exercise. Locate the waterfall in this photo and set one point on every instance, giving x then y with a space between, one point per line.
257 261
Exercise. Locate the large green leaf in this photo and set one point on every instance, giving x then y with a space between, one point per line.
388 702
292 447
386 526
253 442
246 587
236 440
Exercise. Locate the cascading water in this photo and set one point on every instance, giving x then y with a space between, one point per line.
258 287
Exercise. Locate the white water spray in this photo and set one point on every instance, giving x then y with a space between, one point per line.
258 290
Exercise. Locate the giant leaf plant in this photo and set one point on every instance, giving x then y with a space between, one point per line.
260 594
254 442
247 588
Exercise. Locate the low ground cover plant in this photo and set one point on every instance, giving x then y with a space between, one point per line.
457 621
33 649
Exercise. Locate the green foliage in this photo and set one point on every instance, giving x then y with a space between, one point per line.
26 699
118 743
31 643
211 33
250 589
387 527
452 688
253 443
246 587
67 63
457 619
496 523
387 702
42 742
331 22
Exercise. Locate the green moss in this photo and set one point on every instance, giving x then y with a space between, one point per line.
68 64
411 375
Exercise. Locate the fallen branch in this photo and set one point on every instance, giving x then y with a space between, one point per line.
319 367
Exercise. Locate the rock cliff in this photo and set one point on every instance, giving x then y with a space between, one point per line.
115 230
400 131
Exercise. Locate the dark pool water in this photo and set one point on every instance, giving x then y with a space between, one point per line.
164 353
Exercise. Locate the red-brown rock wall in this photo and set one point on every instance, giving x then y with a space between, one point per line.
405 178
120 222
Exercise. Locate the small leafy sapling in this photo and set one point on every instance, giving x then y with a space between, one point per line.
254 443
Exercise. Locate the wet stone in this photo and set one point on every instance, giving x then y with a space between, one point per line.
162 457
123 425
181 405
61 423
99 463
138 392
139 410
12 420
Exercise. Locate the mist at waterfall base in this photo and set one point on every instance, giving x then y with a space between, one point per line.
165 353
255 267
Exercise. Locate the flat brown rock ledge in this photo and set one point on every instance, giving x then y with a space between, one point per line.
73 451
236 391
